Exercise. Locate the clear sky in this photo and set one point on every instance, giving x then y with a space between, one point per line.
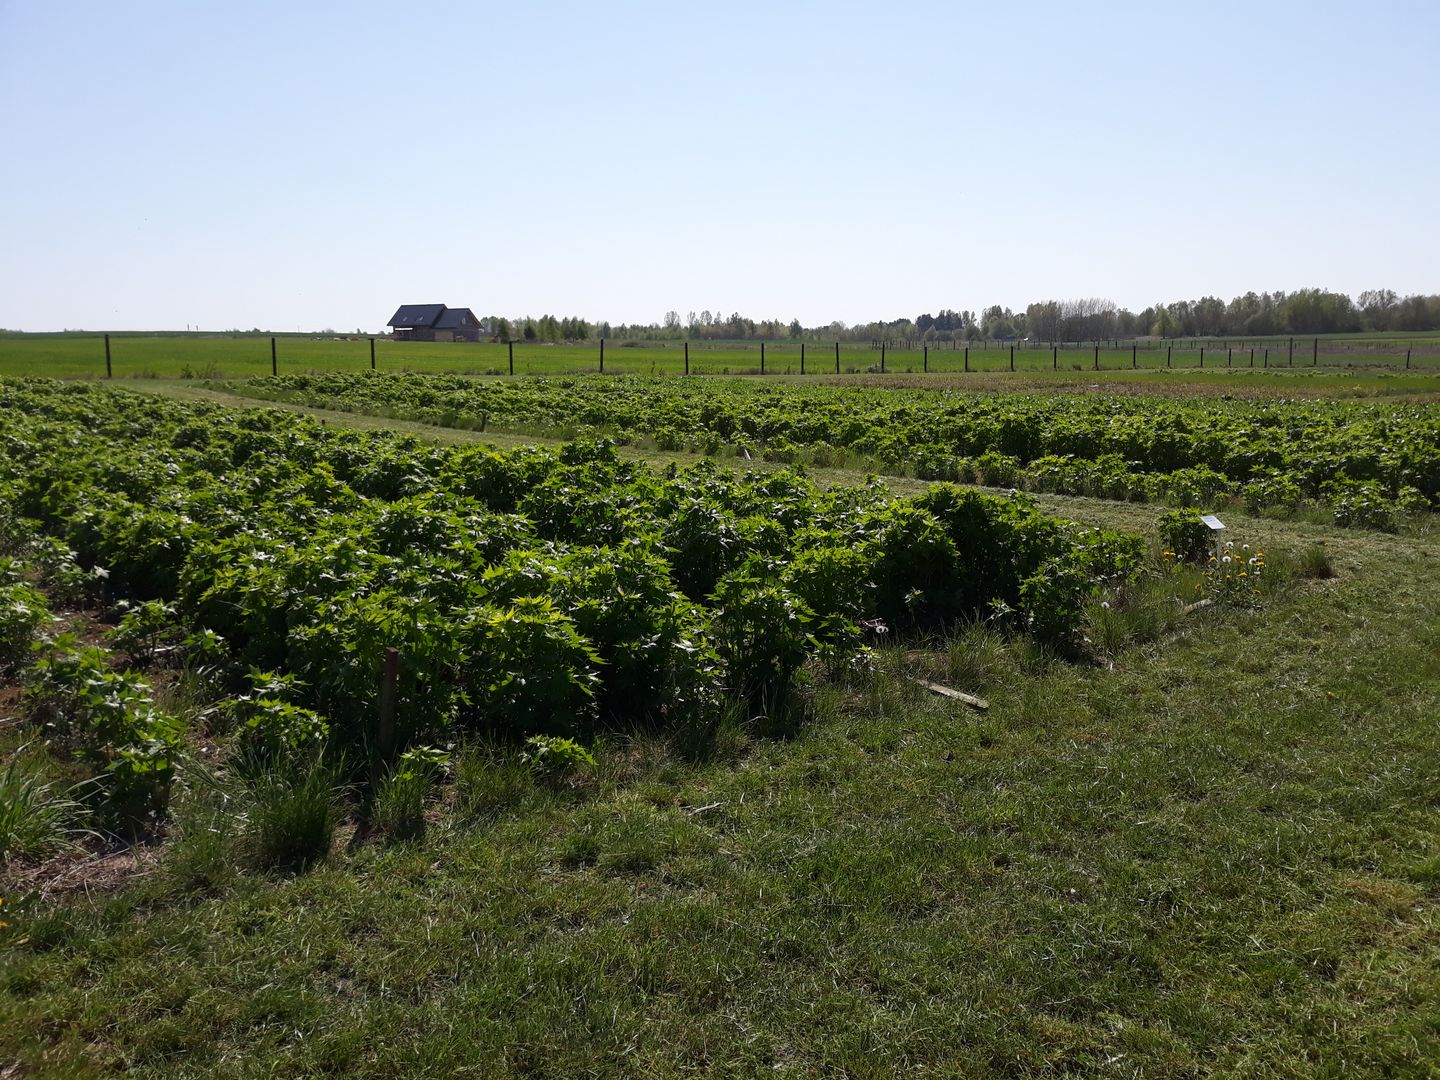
310 165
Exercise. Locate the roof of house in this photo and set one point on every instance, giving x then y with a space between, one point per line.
413 315
456 317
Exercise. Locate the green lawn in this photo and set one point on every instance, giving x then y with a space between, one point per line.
77 355
1218 854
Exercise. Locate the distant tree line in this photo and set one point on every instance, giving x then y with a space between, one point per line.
1305 311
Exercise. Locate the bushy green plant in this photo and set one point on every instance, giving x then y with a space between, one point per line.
1184 535
144 631
763 632
553 757
23 613
526 666
109 719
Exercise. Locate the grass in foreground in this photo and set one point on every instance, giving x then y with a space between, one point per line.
1218 856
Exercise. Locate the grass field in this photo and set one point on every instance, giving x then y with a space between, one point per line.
75 355
1214 852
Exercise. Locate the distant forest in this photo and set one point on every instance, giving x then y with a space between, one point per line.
1305 311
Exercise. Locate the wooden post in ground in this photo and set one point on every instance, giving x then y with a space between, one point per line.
274 363
602 356
925 360
837 358
1012 357
385 721
762 358
372 354
687 358
1097 356
967 357
510 347
1169 354
1134 357
882 358
1315 353
802 358
109 374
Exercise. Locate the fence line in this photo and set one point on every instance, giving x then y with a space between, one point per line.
885 357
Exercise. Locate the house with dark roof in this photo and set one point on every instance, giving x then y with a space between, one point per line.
435 322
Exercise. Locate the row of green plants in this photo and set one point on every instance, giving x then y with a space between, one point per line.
547 593
1370 465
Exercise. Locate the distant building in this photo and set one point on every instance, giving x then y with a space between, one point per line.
435 322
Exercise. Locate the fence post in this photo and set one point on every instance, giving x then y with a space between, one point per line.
1134 359
1315 353
274 364
372 354
1169 351
925 360
687 358
602 356
1012 357
967 357
837 358
1266 359
1252 356
385 726
802 358
1290 361
882 358
1229 355
1407 357
1097 356
762 358
510 346
1054 357
1202 356
109 375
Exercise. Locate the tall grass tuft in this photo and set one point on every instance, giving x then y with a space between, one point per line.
489 784
1143 610
1314 562
292 816
35 818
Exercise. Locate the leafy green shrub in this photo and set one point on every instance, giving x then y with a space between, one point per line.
109 718
144 631
1182 532
526 667
23 612
277 735
762 629
554 758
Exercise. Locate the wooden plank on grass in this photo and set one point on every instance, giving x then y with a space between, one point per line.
955 695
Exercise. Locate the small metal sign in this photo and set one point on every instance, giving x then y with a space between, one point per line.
1216 525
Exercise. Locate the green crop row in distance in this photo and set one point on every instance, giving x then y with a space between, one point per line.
1369 464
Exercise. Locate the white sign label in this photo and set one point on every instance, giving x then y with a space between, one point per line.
1214 522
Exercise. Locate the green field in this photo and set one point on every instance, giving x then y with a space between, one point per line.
1183 839
75 355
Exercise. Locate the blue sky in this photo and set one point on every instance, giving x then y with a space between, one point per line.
310 165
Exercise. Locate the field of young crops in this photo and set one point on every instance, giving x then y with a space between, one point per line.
1366 464
527 593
